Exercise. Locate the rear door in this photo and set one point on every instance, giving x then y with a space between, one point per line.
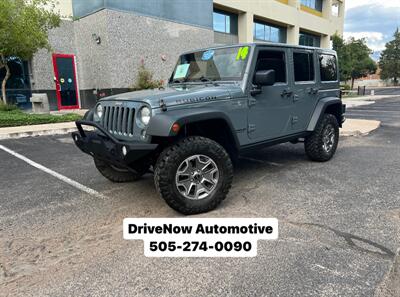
305 88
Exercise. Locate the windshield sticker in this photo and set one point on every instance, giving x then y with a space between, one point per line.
242 53
181 71
207 55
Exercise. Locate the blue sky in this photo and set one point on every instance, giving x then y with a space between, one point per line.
376 20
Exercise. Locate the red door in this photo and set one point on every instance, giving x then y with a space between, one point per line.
65 79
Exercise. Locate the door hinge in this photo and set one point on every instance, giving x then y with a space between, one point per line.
295 119
252 101
251 128
295 97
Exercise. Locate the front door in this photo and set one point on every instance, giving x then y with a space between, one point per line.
269 111
65 79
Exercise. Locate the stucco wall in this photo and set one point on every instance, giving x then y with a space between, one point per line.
135 37
126 39
62 41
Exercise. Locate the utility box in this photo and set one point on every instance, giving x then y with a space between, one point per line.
40 103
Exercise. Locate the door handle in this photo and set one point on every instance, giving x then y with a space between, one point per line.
286 93
313 91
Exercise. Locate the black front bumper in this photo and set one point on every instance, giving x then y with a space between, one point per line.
103 145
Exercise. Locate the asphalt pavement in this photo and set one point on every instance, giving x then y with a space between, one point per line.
339 223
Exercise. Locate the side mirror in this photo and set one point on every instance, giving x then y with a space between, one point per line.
265 77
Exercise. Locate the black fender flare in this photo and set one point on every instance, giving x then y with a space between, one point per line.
89 115
320 109
161 124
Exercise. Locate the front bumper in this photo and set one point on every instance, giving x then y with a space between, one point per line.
103 145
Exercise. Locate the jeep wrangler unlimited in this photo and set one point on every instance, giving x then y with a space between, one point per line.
219 103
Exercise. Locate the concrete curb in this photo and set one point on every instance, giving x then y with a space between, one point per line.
37 130
351 127
366 100
358 127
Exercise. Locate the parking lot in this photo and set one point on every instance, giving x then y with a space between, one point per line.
339 222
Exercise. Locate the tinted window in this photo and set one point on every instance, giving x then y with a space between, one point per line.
274 60
221 22
328 67
303 66
309 39
268 32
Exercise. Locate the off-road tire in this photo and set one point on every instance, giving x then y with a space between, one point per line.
313 144
167 167
118 176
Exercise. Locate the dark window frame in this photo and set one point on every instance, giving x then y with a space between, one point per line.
313 4
281 31
311 67
310 35
320 55
233 22
285 61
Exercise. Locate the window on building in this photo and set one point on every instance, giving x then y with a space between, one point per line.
18 85
303 66
314 4
274 60
309 39
268 32
225 22
335 9
328 67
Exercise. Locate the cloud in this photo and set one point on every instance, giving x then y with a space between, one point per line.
354 3
375 40
374 20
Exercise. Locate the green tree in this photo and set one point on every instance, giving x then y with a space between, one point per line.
389 61
24 26
344 61
354 58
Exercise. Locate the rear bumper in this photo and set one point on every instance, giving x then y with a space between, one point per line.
102 145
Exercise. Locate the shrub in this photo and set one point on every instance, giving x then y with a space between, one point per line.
145 80
345 87
7 107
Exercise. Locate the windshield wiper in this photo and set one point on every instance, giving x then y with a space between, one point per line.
179 81
206 79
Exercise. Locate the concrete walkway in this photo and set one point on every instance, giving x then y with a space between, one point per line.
351 127
364 100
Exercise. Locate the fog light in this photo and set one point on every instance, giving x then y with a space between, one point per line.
124 150
143 134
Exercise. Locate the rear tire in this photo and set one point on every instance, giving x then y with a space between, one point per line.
194 175
117 174
321 145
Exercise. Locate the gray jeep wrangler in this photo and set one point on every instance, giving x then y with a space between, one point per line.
219 103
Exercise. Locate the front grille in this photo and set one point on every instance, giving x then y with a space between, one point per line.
119 120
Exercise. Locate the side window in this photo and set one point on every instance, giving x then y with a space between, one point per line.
274 60
303 66
328 67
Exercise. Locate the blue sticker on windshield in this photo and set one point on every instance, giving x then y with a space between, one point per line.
207 55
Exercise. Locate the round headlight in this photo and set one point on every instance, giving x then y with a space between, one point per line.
99 110
144 115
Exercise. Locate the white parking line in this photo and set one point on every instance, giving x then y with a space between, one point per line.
53 173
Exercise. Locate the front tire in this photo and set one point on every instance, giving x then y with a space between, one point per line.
194 175
321 145
117 174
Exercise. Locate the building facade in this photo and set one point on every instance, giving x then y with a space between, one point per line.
101 43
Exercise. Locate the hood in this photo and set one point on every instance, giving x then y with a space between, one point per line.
177 95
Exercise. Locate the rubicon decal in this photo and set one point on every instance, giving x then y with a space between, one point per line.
190 237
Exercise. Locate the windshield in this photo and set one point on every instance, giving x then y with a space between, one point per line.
224 64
